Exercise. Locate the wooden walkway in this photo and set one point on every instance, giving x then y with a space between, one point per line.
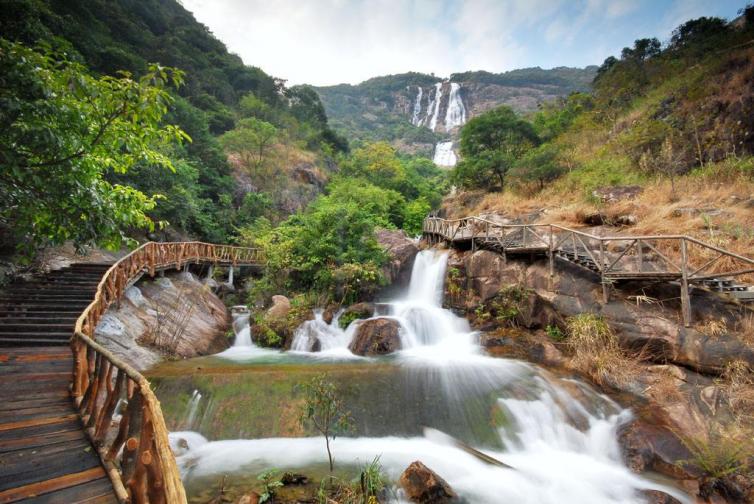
45 455
658 258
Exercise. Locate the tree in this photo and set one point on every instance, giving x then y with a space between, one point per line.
643 49
324 410
250 140
61 131
539 165
377 163
490 145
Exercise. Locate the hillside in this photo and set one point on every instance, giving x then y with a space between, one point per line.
403 108
217 184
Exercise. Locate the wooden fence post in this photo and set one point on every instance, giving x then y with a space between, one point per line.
685 300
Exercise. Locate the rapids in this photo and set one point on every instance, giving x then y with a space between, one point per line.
558 433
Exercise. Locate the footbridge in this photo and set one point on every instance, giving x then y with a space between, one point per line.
680 259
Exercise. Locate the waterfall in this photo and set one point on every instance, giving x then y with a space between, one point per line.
436 102
417 108
558 434
444 154
193 407
456 114
242 329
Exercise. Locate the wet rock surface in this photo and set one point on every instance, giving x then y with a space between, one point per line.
424 486
174 316
377 336
402 251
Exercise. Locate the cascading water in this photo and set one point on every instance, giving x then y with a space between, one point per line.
456 114
193 408
415 120
436 104
558 434
444 154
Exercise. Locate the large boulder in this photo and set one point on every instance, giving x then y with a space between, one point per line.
402 251
425 486
378 336
488 272
280 308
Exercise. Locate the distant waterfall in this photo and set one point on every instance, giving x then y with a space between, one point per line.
415 120
444 154
438 98
456 114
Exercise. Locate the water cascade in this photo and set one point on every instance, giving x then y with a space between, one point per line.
456 114
193 407
436 104
415 120
444 154
558 433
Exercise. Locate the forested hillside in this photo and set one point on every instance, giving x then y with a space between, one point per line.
381 108
283 130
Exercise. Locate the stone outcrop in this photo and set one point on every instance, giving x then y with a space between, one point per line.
424 486
652 328
281 307
613 194
174 316
402 251
378 336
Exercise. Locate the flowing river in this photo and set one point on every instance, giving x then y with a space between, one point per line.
236 414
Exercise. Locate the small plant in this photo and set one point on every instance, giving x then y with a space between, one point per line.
454 282
371 481
325 411
270 483
346 319
718 455
554 333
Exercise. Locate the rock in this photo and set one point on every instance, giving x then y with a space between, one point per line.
308 173
358 311
402 251
658 497
250 498
171 316
487 272
424 486
377 336
649 446
614 194
693 212
290 478
625 220
280 308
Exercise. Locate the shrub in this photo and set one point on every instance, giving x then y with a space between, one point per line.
596 351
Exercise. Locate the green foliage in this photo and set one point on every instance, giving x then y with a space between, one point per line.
371 481
270 483
554 333
62 130
719 454
324 410
554 118
414 214
250 140
539 165
491 144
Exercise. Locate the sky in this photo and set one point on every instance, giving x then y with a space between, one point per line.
324 42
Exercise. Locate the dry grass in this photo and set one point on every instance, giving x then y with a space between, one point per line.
596 351
738 382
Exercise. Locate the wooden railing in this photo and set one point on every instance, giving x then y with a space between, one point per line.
120 412
658 257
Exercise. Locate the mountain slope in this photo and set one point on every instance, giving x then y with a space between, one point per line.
404 109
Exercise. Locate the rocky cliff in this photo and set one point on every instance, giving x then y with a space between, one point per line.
417 112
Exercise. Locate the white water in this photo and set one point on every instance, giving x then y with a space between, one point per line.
456 114
415 120
444 154
436 103
560 435
193 408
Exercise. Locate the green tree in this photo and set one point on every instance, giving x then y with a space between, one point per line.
491 144
324 410
414 215
539 165
377 163
250 139
61 131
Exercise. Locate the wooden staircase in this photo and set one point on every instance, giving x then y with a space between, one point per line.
45 455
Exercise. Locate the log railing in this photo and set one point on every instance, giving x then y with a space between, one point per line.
120 412
654 257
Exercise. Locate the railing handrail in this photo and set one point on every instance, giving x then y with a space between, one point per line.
602 239
148 471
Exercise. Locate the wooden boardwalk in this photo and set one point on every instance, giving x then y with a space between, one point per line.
45 455
658 258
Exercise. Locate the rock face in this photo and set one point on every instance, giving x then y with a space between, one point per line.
402 251
614 194
280 308
171 316
424 486
377 336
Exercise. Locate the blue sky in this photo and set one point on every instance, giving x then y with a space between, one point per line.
325 42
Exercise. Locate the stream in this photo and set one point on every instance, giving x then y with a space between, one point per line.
237 413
